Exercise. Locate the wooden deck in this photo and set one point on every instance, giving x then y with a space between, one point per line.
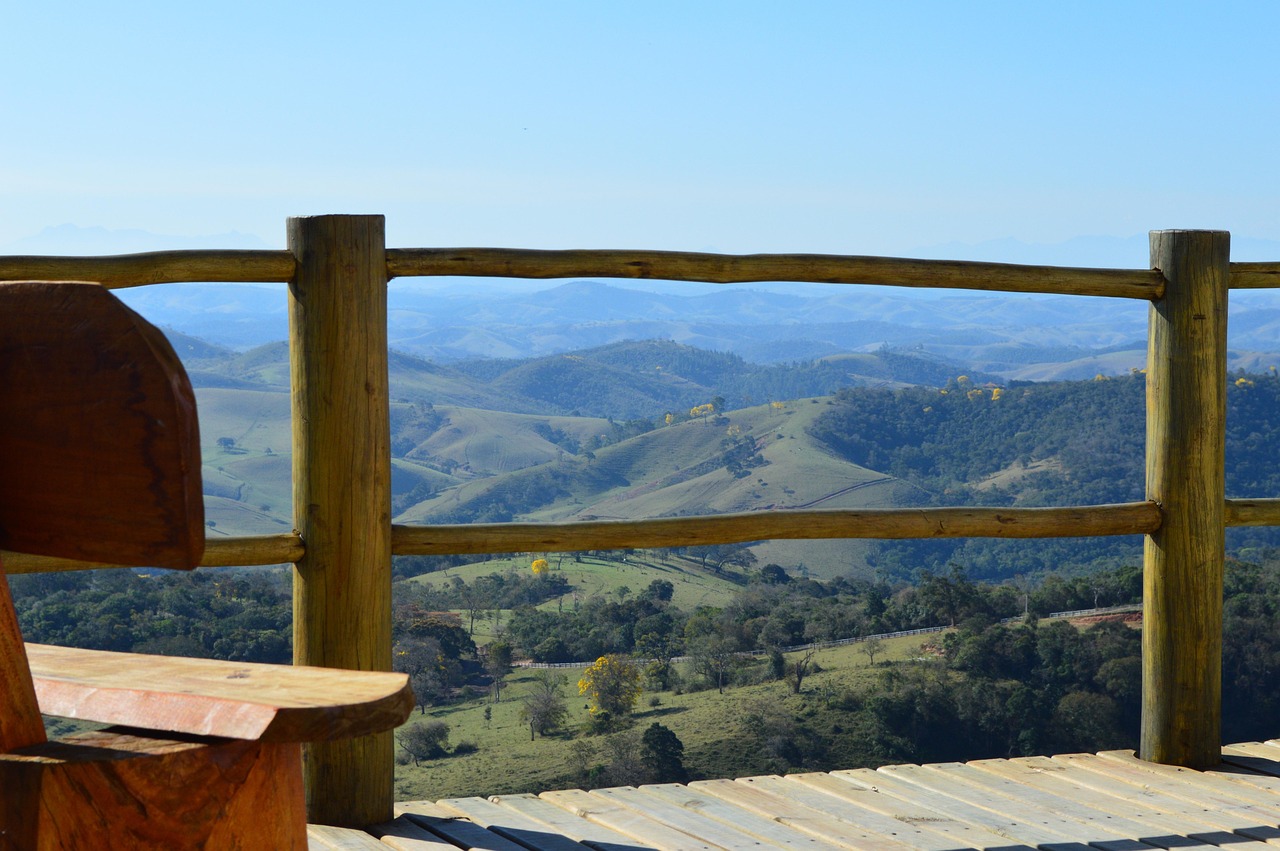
1110 801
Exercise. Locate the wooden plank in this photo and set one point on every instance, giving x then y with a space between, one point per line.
886 523
1183 559
99 444
153 267
247 550
460 832
763 825
1028 814
510 824
1252 512
323 837
693 823
1012 826
1072 807
837 818
564 822
1203 782
1138 772
640 828
1175 825
211 697
922 821
20 723
1132 790
1255 275
116 788
342 491
404 834
1259 757
815 268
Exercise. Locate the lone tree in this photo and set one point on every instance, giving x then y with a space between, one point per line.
612 685
425 741
497 665
543 707
663 754
871 648
799 669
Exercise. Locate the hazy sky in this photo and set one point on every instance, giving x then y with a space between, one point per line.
842 127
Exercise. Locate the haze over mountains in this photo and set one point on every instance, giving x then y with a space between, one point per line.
1030 338
449 319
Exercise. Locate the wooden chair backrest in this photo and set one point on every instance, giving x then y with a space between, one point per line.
99 445
99 452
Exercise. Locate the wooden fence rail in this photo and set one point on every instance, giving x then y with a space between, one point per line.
337 268
250 266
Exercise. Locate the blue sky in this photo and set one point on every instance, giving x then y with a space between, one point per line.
880 128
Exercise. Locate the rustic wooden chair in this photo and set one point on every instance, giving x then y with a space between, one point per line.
100 462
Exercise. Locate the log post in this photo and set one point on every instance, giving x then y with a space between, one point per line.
1183 559
342 491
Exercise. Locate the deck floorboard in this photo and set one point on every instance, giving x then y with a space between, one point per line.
1109 801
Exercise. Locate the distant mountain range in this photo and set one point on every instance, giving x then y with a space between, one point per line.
1015 337
452 319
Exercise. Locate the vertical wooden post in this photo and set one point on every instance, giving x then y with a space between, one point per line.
342 491
1183 561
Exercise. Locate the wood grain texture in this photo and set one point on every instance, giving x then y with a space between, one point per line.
20 723
154 267
211 697
815 268
99 445
1252 512
342 490
1249 276
114 789
1183 559
512 824
240 551
1133 518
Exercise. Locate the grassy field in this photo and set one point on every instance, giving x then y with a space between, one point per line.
708 723
590 576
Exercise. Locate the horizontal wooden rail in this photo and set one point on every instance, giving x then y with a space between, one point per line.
166 267
1133 518
1252 512
1253 276
218 552
813 268
155 267
464 539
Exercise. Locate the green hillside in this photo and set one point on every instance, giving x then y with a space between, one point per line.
523 456
1059 443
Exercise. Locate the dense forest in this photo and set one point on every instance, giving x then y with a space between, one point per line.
1002 682
1059 443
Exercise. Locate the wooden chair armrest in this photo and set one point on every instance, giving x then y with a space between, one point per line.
209 697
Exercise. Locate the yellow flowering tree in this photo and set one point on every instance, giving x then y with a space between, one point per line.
611 684
539 567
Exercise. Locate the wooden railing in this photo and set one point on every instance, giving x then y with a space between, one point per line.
337 268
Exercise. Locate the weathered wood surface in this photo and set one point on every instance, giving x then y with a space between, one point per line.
98 413
1074 802
1183 559
241 551
20 724
889 523
1252 512
814 268
1247 276
153 267
342 490
117 790
210 697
